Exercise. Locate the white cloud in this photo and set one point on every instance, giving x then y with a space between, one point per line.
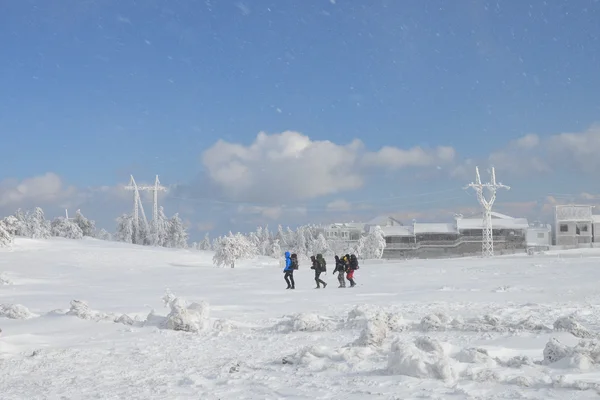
532 154
339 205
38 190
283 166
290 166
272 213
395 158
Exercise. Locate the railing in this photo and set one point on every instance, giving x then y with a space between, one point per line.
441 243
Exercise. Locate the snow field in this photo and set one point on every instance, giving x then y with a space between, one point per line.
92 319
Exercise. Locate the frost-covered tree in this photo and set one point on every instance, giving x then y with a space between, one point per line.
232 248
11 224
38 226
275 249
103 234
6 239
372 245
87 226
125 231
320 245
177 233
160 229
66 228
205 243
21 224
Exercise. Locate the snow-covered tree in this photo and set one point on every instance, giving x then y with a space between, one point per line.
320 245
275 249
88 227
103 234
38 226
6 239
232 248
125 231
62 227
21 224
177 233
205 243
372 245
11 224
160 229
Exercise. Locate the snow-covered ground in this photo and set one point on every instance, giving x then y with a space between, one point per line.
77 323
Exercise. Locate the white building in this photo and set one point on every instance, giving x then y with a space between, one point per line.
344 231
573 225
539 237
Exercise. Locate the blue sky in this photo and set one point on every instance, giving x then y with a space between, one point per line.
93 91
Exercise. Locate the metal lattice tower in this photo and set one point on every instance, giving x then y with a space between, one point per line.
137 204
157 187
487 243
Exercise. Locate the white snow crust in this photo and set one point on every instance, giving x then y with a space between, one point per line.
87 318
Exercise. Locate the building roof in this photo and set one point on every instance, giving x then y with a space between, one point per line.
397 231
384 220
434 228
498 223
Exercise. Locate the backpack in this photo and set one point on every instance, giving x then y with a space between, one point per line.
322 262
294 258
354 262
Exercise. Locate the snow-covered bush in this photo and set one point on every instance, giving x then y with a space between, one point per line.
194 317
66 228
15 311
103 234
81 309
232 248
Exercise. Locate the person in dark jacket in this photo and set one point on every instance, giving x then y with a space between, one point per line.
317 266
352 266
340 268
289 271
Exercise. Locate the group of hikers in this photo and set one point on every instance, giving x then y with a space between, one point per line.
345 265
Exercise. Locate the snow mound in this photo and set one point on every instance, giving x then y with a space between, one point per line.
4 280
305 322
374 334
361 316
487 323
433 322
569 324
15 311
320 358
82 310
194 317
426 358
581 356
378 328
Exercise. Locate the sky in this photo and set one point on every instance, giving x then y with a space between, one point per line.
270 112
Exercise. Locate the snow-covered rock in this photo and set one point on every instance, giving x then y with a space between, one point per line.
425 358
305 322
569 324
15 311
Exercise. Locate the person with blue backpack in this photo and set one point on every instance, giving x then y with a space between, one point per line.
291 263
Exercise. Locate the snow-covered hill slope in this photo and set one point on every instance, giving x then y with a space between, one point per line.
90 319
